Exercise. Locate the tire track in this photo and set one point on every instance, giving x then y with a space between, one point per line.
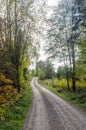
50 112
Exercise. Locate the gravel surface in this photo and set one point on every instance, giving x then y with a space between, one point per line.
50 112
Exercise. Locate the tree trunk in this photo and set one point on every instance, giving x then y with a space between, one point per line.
73 85
18 79
73 68
67 78
68 84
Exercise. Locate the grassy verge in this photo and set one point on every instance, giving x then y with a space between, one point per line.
17 113
77 98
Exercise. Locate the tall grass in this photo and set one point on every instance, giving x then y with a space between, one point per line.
62 83
59 87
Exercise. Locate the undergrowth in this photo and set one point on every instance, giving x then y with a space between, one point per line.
60 88
13 115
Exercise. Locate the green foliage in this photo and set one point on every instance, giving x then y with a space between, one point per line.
41 74
13 116
26 73
81 62
23 71
59 87
6 65
4 109
45 70
82 48
61 72
15 42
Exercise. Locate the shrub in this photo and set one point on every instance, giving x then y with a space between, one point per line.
7 91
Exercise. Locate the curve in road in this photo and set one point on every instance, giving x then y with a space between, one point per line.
50 112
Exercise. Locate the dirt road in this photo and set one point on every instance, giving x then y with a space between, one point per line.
50 112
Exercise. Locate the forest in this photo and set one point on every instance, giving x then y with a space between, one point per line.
27 28
66 44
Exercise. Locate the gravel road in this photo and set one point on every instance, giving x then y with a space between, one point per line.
50 112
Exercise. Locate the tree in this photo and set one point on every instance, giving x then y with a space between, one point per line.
45 69
15 39
59 34
63 36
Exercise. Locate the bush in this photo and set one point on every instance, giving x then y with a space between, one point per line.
7 91
12 116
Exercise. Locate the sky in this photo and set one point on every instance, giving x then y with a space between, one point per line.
52 2
43 55
49 3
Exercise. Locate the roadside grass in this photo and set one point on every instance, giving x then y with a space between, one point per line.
60 88
14 119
